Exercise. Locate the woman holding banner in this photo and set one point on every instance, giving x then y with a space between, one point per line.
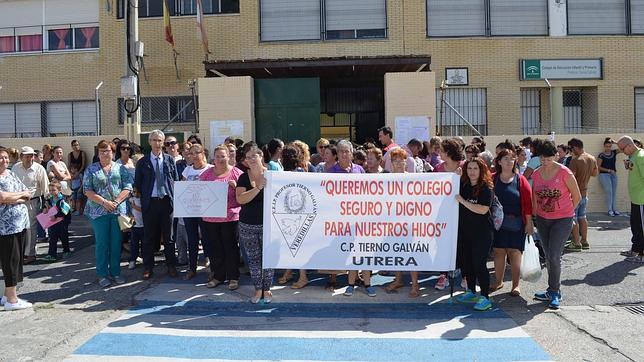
399 165
192 173
474 233
453 158
220 237
250 194
292 161
345 164
515 195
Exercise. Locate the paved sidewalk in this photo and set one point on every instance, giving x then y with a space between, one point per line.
176 319
74 318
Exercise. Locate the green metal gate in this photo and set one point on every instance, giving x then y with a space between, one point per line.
287 109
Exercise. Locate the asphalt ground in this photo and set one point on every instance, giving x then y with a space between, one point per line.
601 318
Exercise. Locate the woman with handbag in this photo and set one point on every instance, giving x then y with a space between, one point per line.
106 185
515 195
474 232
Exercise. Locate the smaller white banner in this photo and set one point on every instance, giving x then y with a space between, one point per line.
200 199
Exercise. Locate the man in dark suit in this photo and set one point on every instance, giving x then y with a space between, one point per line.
155 175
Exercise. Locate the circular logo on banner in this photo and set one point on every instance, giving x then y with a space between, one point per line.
294 209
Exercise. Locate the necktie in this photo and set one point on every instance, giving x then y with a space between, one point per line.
159 177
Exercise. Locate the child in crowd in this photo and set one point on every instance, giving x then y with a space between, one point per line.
77 192
60 230
136 233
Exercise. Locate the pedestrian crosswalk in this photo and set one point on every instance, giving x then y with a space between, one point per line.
200 327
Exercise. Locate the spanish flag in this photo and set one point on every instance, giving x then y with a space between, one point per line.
167 27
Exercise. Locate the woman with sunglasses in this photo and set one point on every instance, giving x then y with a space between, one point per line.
124 156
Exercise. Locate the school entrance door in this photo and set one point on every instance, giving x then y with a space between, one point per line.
288 109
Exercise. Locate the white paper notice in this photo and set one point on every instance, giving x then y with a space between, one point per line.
408 127
200 199
220 130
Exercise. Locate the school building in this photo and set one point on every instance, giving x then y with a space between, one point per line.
305 68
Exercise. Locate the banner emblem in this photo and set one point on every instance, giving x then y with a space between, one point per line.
294 208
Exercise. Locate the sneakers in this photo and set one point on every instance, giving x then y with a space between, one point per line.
573 247
468 297
119 280
371 291
20 304
639 259
349 291
104 282
67 254
585 245
49 259
555 301
442 282
611 213
617 213
131 265
483 304
628 253
548 296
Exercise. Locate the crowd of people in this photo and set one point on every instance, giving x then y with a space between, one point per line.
541 186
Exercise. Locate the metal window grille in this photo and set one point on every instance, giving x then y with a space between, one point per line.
470 103
572 102
162 110
531 111
639 109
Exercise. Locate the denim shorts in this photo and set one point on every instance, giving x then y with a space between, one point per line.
580 211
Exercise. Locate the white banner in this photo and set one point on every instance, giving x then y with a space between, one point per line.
200 199
360 221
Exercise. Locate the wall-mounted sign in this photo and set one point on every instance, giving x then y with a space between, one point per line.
561 69
456 76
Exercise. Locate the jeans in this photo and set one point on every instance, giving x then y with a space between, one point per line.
108 245
181 242
192 229
136 240
609 184
554 233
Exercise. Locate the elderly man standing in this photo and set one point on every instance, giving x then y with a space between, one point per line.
635 167
34 176
155 175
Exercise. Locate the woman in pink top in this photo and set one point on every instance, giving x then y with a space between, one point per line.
555 195
220 241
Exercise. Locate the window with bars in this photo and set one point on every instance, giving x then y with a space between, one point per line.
48 119
461 105
179 109
531 111
572 104
639 109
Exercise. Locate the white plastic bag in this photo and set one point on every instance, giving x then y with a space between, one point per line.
530 265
